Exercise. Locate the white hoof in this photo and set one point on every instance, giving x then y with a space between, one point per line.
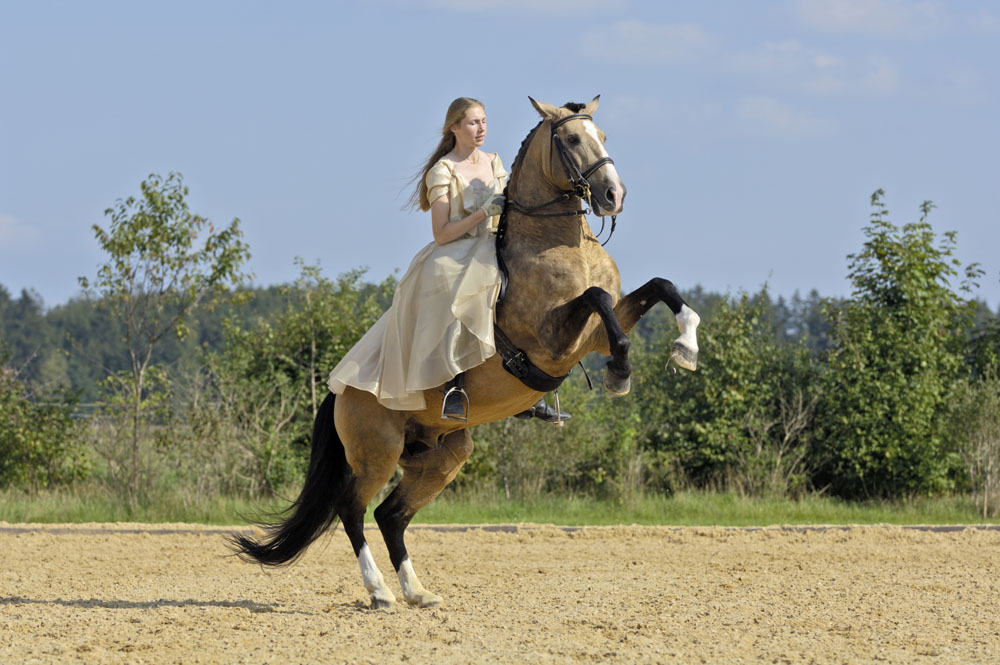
684 357
383 600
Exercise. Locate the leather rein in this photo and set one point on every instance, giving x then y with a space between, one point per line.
516 361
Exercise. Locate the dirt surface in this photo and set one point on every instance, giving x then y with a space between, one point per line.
170 594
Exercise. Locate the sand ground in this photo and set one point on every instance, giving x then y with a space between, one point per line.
134 593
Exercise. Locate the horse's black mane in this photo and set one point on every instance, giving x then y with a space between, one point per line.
574 107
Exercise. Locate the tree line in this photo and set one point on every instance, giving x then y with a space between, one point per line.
888 393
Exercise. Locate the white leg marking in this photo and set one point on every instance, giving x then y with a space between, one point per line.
408 580
413 591
382 597
687 323
370 573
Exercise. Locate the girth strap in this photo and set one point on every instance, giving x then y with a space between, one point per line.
519 365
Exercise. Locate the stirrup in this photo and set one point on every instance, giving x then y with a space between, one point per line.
462 415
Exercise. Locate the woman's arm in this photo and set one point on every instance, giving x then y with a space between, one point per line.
445 231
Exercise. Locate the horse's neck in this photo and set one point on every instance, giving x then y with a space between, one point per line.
552 229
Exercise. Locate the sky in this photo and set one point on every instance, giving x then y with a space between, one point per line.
750 135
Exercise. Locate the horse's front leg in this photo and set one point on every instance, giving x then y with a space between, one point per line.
631 308
569 320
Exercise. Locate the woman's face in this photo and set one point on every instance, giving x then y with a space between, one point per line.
470 131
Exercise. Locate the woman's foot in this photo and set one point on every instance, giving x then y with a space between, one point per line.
543 411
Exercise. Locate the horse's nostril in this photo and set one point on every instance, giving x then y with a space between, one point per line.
611 194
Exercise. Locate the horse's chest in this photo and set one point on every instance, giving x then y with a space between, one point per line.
574 272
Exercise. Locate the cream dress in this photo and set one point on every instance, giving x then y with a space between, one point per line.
440 322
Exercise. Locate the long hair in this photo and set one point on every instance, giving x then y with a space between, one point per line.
456 111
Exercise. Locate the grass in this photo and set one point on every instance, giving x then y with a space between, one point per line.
700 509
94 505
683 509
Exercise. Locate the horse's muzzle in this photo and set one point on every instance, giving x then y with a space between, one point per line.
609 200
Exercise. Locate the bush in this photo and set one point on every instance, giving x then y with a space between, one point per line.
40 443
975 426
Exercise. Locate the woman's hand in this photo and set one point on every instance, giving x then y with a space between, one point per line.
495 206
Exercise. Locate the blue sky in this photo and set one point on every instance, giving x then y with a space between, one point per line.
750 134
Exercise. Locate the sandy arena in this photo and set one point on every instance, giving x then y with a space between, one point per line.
133 593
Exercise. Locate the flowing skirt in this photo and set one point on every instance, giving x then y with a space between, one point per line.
440 323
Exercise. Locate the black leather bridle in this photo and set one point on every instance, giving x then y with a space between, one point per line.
580 186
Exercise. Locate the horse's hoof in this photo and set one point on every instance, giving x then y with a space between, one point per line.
383 601
426 599
684 356
617 385
381 604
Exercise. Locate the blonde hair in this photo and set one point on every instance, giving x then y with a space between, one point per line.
456 111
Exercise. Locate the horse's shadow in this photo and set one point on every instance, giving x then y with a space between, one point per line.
89 603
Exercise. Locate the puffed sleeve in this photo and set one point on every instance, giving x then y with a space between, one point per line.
498 171
437 181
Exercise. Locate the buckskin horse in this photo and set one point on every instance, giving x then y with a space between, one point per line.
560 301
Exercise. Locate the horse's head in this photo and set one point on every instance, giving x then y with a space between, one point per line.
577 159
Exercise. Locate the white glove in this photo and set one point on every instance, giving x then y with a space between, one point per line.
494 206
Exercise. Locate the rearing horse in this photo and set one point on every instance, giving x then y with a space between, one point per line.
561 303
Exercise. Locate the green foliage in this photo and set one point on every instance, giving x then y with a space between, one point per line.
742 419
40 443
157 273
983 357
897 351
266 383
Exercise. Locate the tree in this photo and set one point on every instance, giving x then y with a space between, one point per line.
897 348
157 274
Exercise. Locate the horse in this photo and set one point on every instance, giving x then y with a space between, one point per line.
560 301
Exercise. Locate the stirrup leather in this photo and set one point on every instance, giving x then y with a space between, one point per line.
460 417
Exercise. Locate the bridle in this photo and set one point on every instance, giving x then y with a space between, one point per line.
580 186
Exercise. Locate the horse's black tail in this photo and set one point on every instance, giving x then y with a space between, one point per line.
314 511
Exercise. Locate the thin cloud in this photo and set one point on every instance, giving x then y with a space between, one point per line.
879 17
637 42
882 78
768 115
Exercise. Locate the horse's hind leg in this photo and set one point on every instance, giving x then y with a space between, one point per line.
372 444
424 476
631 308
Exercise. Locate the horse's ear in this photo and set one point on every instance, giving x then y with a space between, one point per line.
547 111
592 106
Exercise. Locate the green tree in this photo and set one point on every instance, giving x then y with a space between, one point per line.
897 348
158 272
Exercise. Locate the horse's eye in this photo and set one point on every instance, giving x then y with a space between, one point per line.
573 139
